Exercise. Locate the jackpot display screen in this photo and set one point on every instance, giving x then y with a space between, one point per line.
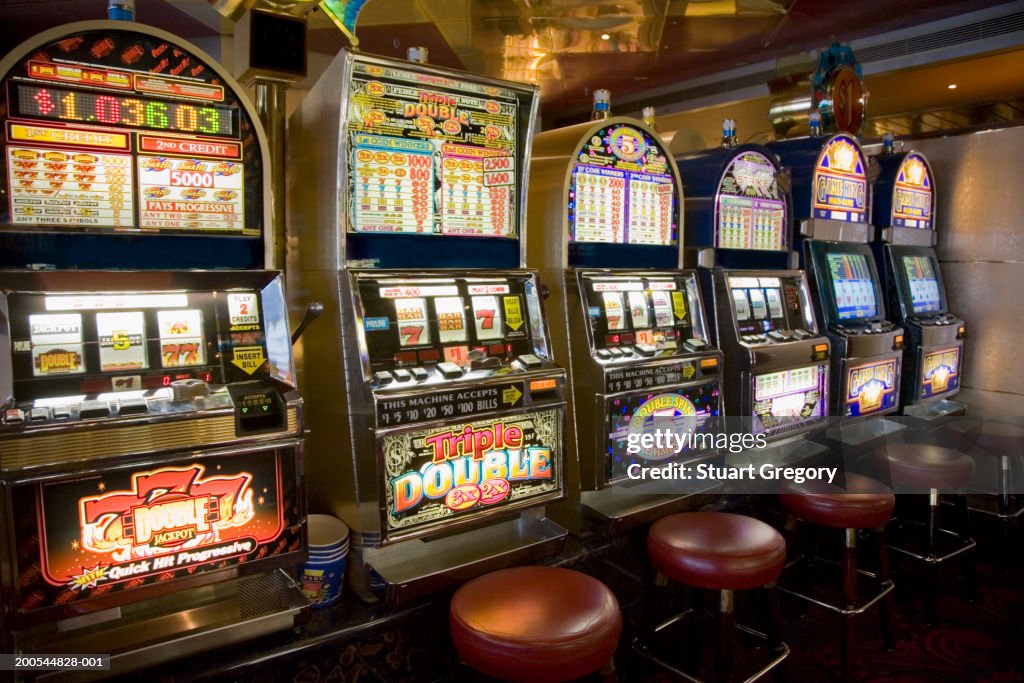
923 283
840 183
113 130
751 209
655 310
688 410
853 285
622 190
132 527
789 399
413 321
431 154
76 345
763 304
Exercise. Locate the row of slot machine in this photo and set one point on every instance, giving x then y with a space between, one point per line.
469 395
516 312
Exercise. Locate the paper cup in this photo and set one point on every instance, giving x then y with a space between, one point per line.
322 578
326 533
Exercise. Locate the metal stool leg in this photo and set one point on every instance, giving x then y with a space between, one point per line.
849 600
931 568
885 606
724 648
774 631
1005 510
970 578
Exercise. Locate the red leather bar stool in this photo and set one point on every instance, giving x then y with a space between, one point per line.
1005 443
861 503
536 625
722 552
924 467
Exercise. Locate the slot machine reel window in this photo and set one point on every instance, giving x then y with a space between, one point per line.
115 130
648 313
768 304
923 283
853 285
78 345
475 323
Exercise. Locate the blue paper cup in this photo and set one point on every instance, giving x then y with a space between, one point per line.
322 579
323 574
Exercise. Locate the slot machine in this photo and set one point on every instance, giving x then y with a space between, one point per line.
151 437
903 212
605 208
738 231
831 211
437 415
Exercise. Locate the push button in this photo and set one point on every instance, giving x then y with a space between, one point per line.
616 353
89 410
646 349
39 415
419 374
61 413
775 335
801 333
383 377
14 416
133 406
695 344
403 375
449 370
529 361
603 354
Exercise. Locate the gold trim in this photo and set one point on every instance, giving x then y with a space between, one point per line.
58 448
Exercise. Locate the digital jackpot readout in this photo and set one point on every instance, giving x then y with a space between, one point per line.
128 111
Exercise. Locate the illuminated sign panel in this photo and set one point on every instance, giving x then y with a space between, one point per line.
437 474
622 191
913 196
840 183
872 387
431 154
941 372
118 130
751 210
124 529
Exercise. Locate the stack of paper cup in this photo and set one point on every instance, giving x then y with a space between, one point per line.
323 574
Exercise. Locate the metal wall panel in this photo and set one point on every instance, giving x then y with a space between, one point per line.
980 216
980 207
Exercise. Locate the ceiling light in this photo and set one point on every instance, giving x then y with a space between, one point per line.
951 86
605 36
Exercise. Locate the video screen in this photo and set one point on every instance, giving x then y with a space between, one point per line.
923 281
853 285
